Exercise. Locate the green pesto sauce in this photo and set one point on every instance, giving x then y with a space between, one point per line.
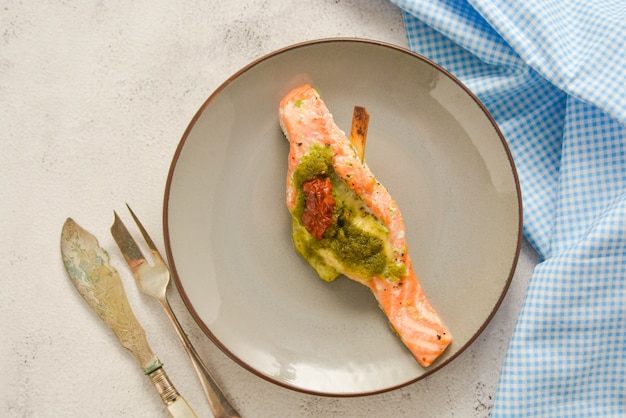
317 162
356 243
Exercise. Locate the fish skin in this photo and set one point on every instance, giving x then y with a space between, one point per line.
305 120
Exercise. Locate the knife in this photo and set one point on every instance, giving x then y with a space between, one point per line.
99 283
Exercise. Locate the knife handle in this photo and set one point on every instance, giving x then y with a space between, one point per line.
180 409
176 405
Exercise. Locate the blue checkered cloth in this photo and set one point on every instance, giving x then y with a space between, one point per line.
553 75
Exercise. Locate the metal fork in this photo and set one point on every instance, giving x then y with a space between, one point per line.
153 280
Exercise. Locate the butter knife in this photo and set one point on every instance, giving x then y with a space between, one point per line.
99 283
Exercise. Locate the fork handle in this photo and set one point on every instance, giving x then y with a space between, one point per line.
220 406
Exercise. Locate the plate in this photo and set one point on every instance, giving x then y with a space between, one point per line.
228 231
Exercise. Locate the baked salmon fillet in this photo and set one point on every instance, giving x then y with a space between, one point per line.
345 222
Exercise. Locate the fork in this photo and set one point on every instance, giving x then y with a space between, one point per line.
153 280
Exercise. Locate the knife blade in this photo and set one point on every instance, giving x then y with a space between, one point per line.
98 282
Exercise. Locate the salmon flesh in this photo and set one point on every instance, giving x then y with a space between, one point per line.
346 223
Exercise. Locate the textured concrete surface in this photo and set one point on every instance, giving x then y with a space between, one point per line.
94 97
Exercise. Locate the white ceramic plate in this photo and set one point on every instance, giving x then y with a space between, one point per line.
228 231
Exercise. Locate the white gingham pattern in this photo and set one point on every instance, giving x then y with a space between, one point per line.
553 75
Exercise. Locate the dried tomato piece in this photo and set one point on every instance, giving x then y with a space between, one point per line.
319 206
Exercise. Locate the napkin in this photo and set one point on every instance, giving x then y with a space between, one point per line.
553 75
